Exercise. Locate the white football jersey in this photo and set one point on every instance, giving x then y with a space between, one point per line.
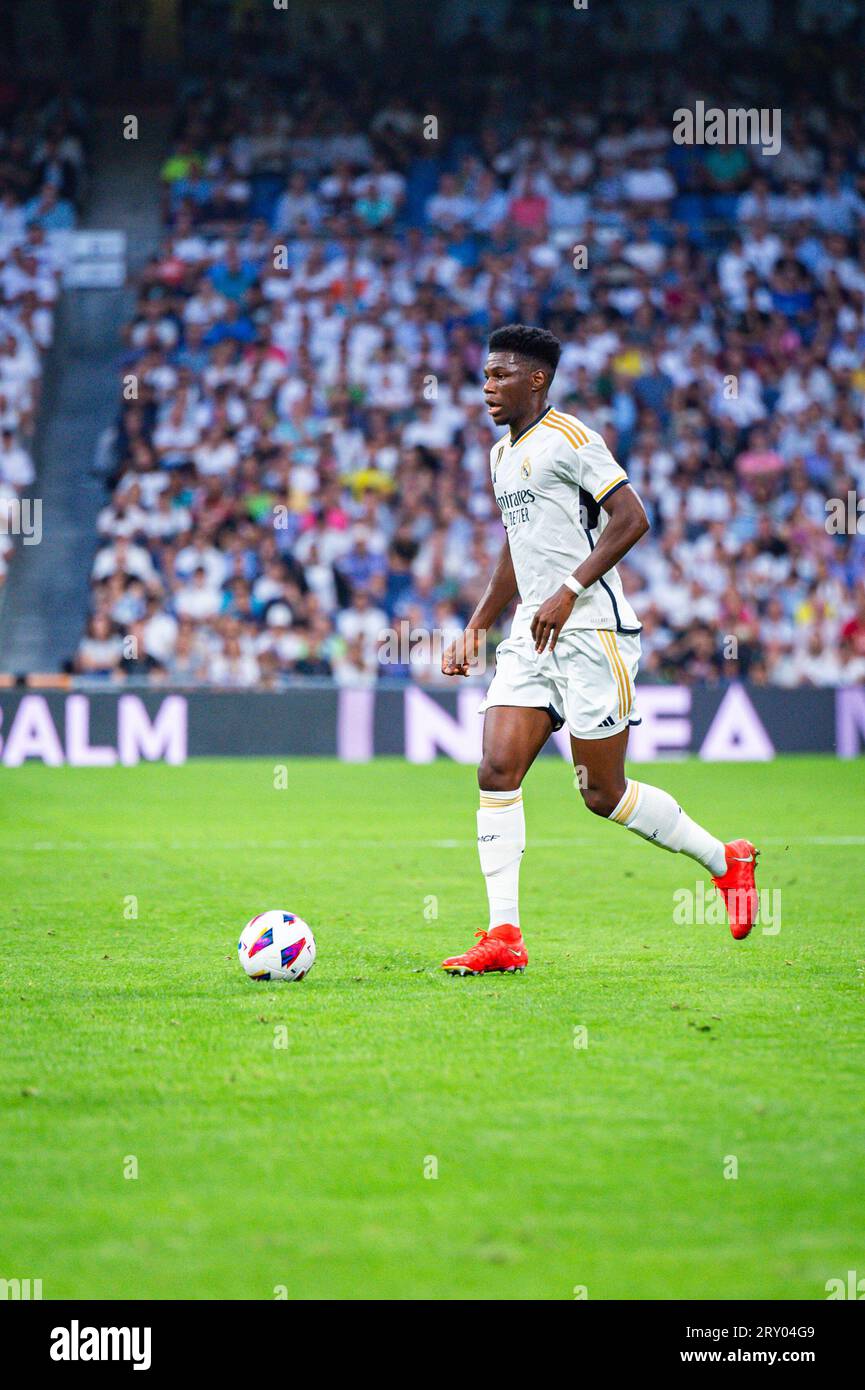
549 483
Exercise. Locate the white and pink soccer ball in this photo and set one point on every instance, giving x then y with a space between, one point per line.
276 946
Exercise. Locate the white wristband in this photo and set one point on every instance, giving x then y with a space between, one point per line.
574 585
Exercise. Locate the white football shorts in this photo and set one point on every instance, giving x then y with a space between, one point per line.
586 683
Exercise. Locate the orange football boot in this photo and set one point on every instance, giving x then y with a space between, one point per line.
500 949
738 887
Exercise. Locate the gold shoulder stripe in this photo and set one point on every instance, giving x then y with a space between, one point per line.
574 443
572 440
567 434
570 423
567 423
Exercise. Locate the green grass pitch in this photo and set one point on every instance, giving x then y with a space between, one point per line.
304 1169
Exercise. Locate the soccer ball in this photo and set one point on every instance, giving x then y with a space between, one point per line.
276 946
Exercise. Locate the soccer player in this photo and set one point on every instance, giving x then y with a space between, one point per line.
570 515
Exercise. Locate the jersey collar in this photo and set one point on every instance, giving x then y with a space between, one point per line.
522 434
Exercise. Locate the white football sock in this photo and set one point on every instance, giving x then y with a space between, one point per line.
654 814
501 842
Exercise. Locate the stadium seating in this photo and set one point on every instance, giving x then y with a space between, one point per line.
42 171
306 458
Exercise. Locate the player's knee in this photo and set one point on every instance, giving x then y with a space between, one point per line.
499 774
601 801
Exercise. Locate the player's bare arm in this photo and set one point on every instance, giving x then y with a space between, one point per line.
628 522
500 591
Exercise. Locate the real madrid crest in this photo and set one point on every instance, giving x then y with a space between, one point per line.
526 468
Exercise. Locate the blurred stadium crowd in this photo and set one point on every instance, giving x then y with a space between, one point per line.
42 169
302 452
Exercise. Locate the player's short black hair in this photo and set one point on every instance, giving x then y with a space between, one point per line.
537 343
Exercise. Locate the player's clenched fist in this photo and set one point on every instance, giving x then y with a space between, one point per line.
462 653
